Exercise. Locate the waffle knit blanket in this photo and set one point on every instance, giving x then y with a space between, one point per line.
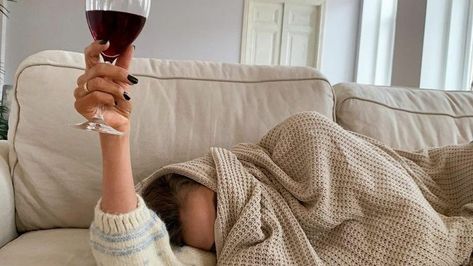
312 193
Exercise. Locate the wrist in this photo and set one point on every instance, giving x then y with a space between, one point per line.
109 137
114 147
124 128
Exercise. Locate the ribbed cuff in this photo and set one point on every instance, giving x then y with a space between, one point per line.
122 223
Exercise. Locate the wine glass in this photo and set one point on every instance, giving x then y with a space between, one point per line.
119 22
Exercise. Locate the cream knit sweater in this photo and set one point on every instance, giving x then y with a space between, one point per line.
135 238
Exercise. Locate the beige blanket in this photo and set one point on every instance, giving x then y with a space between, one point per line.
311 193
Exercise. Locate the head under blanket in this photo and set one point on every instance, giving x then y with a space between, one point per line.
312 193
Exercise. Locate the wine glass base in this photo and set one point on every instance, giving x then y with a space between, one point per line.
98 125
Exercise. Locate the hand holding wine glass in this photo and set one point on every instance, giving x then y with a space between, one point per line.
118 23
107 86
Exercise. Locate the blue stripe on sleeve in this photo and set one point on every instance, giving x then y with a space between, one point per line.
138 232
129 250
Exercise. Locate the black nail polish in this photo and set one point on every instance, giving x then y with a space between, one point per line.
102 42
132 79
126 96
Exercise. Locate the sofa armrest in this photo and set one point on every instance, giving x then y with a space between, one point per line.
7 202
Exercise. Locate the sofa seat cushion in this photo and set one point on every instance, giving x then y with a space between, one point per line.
406 118
49 248
71 247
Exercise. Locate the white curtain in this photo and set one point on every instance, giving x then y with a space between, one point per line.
376 44
447 53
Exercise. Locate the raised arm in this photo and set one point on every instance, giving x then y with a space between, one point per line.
124 230
107 84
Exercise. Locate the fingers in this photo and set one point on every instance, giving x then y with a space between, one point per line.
93 51
117 74
124 107
87 105
124 60
102 85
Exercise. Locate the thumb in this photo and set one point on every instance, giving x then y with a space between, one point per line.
124 60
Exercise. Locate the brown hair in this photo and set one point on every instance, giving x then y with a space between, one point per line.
163 197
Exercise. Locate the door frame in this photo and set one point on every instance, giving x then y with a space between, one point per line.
321 26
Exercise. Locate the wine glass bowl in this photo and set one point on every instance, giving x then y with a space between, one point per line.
117 21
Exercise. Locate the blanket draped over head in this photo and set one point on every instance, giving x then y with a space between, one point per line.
312 193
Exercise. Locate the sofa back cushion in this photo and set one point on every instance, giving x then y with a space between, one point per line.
180 110
406 118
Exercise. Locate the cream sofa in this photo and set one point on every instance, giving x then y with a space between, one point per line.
50 173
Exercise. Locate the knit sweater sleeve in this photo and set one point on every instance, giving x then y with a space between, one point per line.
135 238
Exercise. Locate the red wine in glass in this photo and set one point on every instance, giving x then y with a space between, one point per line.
119 28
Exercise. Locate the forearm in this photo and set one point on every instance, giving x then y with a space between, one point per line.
118 191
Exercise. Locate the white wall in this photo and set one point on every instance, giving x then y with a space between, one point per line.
37 25
177 29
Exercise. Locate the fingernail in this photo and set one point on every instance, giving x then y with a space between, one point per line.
126 96
102 42
132 79
134 47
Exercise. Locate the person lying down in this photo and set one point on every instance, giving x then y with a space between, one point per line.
308 193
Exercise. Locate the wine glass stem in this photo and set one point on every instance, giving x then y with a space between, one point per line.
99 112
101 108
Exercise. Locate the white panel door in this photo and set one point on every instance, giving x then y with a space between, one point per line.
299 37
264 33
283 32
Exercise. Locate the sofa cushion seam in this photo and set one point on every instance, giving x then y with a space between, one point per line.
193 78
401 109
